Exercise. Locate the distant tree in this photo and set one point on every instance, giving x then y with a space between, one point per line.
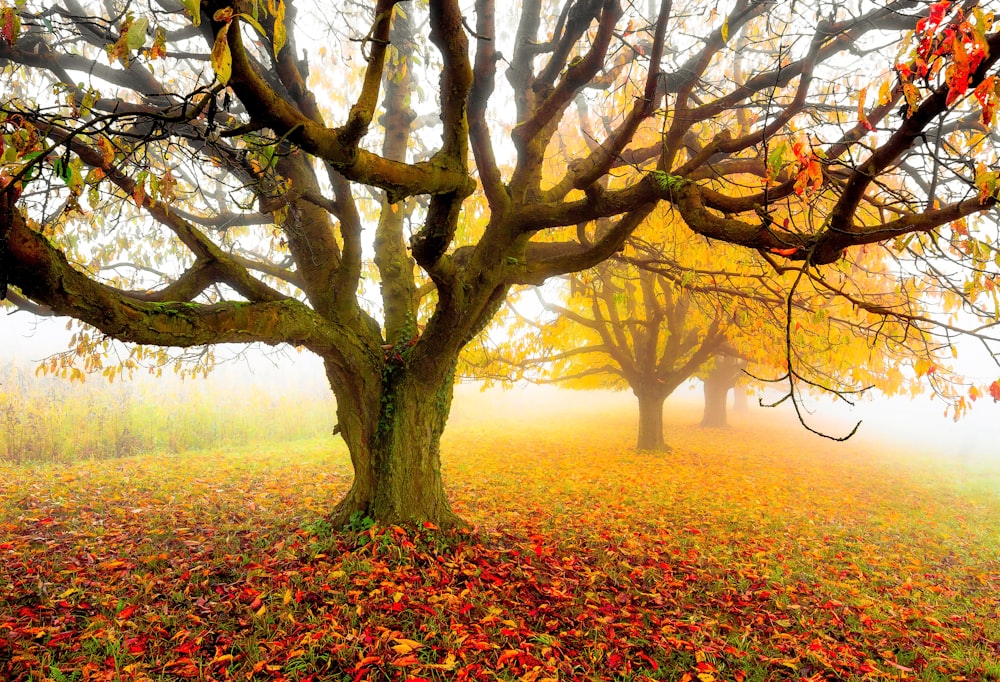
654 316
622 327
719 378
741 398
183 173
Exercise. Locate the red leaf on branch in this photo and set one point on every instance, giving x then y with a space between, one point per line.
785 252
995 391
986 95
7 25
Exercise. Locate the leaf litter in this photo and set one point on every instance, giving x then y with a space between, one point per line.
747 554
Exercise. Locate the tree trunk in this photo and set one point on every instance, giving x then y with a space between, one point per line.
651 422
715 403
394 438
741 399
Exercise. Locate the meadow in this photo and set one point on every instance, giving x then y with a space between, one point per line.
753 553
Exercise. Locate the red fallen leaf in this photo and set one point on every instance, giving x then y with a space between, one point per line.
188 647
58 637
506 656
528 661
403 661
653 664
126 612
367 661
706 667
135 645
430 526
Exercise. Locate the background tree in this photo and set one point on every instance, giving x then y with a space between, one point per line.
656 315
722 375
175 174
623 328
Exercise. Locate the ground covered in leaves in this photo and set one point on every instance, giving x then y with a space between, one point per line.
749 554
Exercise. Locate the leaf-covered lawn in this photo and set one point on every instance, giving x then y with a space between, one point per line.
748 554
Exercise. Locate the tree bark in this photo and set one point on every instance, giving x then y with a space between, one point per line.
651 422
394 436
716 392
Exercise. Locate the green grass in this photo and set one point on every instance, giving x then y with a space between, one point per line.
51 420
754 554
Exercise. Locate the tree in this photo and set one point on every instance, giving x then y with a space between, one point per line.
658 314
723 375
175 175
622 327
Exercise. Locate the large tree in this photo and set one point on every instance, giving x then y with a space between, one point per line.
177 173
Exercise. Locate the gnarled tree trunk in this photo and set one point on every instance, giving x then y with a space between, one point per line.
393 432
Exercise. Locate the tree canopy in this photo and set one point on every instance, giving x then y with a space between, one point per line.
182 173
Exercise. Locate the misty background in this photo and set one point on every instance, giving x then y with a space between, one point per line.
918 424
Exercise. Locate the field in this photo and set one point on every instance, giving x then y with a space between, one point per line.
754 553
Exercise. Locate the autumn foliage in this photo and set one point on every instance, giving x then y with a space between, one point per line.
751 558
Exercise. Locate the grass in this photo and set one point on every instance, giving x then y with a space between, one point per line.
757 553
50 419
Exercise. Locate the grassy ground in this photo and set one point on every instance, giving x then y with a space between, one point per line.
756 553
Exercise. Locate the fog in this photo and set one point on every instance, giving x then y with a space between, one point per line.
918 425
